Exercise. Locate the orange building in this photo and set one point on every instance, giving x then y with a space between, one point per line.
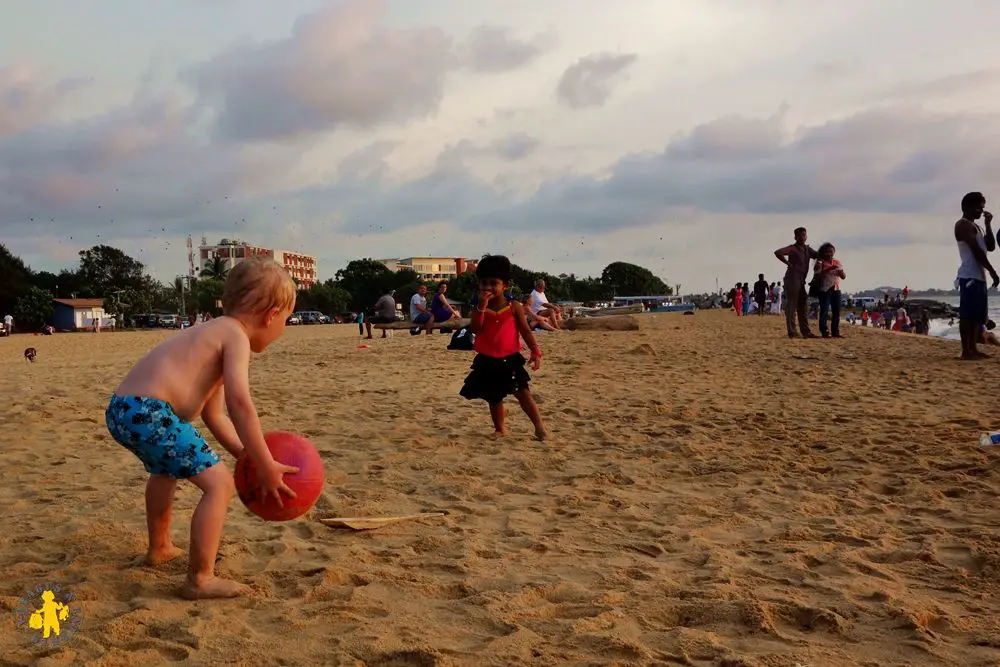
301 267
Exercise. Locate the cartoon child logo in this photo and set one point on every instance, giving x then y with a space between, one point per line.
48 615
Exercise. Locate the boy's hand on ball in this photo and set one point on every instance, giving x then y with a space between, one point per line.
272 482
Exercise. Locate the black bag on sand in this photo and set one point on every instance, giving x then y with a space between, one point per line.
463 339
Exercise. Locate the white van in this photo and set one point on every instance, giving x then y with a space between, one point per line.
865 301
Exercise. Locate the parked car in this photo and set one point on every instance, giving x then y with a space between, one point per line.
294 319
348 317
168 321
313 317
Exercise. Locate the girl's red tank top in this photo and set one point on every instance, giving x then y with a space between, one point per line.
498 336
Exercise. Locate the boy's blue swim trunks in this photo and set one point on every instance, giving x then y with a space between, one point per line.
165 443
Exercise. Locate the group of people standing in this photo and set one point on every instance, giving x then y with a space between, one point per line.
744 301
825 286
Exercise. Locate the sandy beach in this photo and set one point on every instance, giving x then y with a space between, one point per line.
708 498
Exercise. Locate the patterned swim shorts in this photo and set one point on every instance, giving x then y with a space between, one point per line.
165 443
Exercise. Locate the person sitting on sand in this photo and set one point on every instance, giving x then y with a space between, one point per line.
973 244
384 312
541 307
500 324
534 321
204 372
986 335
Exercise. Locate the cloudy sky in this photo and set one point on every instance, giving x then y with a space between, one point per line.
689 136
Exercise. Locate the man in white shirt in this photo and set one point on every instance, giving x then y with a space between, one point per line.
8 324
419 314
541 308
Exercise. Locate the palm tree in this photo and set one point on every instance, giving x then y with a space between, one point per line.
218 268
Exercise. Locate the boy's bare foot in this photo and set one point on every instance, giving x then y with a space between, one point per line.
156 557
541 435
213 588
499 433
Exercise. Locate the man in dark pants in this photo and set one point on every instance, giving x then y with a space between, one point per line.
384 312
760 290
797 257
973 244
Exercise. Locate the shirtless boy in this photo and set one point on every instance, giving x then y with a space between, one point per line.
204 372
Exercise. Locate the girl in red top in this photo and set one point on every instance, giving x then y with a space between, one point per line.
738 300
499 323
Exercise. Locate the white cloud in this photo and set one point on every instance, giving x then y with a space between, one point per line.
363 130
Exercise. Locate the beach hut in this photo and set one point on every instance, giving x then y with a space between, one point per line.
74 314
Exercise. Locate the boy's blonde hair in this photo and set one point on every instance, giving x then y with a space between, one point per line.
257 285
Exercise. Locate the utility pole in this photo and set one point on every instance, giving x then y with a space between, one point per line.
184 287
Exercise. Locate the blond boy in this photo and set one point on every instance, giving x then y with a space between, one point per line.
204 371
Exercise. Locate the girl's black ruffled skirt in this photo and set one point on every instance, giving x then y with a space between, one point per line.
493 379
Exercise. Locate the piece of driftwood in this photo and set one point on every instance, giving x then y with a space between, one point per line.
635 308
373 522
396 326
609 323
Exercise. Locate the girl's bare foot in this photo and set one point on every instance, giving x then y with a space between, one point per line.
212 588
499 433
541 435
163 555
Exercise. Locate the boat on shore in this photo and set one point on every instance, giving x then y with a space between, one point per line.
675 308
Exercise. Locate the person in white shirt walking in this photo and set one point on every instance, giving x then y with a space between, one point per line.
8 324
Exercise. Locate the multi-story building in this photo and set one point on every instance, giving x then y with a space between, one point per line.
432 268
301 267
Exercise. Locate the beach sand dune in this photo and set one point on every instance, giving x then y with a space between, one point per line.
713 494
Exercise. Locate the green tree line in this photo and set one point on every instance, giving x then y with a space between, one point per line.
127 289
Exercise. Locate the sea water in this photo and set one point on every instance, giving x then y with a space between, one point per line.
943 328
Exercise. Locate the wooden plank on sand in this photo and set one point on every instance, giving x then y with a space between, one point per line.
450 324
608 323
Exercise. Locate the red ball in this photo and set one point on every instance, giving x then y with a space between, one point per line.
307 483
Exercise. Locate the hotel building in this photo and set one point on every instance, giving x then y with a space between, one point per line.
301 267
432 268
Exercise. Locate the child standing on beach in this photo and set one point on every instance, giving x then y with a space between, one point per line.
498 369
204 371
